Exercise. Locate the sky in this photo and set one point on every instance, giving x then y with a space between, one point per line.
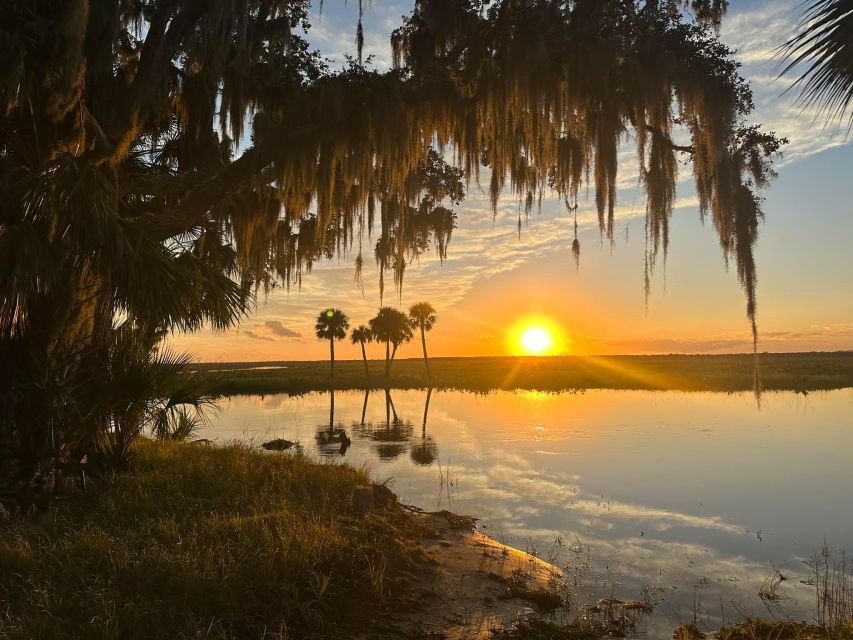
494 281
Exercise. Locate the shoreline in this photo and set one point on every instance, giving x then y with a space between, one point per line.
231 542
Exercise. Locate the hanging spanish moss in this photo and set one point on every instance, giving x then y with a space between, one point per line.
123 194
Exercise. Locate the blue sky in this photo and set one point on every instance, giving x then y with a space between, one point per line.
493 279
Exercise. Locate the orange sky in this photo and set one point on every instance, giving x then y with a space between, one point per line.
492 279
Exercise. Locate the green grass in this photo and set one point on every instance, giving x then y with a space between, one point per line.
788 372
205 542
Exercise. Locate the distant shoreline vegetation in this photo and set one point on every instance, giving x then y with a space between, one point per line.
796 372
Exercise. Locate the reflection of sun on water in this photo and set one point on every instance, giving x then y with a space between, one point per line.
535 337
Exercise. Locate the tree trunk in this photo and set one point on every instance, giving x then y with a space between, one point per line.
387 358
332 353
391 361
426 359
364 357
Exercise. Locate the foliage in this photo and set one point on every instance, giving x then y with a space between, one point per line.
392 327
332 324
148 388
822 53
361 334
423 316
123 197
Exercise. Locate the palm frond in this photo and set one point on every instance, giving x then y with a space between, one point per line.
821 52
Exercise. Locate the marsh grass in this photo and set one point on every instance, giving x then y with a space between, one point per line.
798 372
204 542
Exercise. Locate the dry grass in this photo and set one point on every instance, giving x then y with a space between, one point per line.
204 542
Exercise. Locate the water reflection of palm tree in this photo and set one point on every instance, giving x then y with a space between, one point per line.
364 406
426 451
332 439
393 439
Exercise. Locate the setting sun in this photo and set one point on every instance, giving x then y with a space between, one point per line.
536 341
535 337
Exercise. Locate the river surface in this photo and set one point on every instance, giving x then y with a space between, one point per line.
690 499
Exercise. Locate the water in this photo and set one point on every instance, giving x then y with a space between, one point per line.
684 497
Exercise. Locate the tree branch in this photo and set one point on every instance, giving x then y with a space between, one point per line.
676 147
194 207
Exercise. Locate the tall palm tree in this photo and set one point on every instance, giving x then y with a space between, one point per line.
424 317
823 43
331 325
361 335
392 327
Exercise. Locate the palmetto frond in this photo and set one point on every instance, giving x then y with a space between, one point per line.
423 315
821 53
361 334
332 324
391 325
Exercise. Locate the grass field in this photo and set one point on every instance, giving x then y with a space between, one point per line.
788 371
206 542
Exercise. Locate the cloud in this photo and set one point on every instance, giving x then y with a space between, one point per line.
255 335
269 330
276 327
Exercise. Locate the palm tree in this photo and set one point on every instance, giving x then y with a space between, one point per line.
824 44
424 317
392 327
331 325
361 335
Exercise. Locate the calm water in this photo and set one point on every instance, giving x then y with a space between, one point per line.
683 496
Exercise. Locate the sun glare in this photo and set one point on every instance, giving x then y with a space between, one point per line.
536 341
535 337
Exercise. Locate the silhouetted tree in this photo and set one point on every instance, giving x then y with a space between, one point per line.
423 316
130 189
362 335
392 327
331 325
823 48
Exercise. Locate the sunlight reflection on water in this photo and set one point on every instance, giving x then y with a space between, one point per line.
682 494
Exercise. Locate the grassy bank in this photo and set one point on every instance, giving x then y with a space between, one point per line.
786 372
202 542
226 543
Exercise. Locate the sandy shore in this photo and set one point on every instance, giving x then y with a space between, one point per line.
471 585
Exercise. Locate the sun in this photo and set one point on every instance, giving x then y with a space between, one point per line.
536 341
535 336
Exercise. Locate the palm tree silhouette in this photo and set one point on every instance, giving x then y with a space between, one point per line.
392 327
361 335
331 325
424 317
